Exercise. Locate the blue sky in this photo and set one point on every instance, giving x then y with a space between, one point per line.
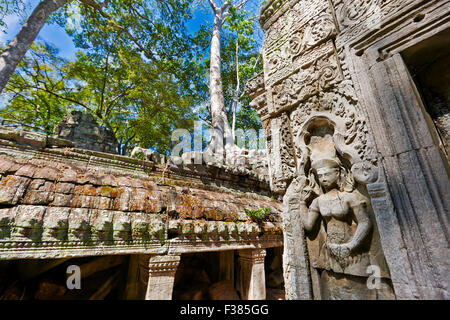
50 33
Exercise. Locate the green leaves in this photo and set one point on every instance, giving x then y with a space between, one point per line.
29 102
11 7
258 214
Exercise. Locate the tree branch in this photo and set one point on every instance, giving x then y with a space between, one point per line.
22 124
213 5
102 100
114 99
61 97
240 5
206 120
225 6
98 7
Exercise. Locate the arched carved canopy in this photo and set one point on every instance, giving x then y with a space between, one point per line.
328 123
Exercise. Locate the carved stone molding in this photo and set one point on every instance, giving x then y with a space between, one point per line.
360 17
270 9
321 75
316 31
284 53
282 158
27 226
253 256
166 265
333 68
337 107
255 85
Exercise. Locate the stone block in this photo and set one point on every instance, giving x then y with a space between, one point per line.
12 189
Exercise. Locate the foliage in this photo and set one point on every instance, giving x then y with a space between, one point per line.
11 7
258 214
119 93
30 104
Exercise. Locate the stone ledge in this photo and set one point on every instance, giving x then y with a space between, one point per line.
33 139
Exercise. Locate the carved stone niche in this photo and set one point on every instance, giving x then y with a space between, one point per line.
329 201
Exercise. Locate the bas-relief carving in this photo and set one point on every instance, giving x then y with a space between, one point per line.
339 106
284 51
278 65
355 17
270 10
255 85
329 110
282 160
309 80
260 104
334 206
316 31
335 201
304 15
346 239
351 12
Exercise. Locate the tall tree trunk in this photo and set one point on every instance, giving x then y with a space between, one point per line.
236 95
15 51
220 123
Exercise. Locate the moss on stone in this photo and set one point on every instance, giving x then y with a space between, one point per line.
108 191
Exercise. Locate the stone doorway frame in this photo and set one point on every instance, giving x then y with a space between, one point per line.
409 199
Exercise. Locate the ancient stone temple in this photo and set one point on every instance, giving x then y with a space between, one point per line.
354 100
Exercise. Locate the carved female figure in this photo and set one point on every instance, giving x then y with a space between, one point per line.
337 204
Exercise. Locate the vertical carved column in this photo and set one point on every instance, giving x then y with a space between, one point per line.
161 276
252 279
226 265
417 180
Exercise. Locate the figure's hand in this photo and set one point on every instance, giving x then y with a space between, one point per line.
307 187
305 192
340 251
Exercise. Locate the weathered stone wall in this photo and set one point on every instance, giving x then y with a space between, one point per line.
336 96
56 203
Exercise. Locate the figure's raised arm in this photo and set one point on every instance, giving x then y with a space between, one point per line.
309 216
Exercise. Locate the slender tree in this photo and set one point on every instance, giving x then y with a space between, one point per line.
222 132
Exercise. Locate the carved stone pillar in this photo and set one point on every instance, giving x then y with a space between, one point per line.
251 278
161 276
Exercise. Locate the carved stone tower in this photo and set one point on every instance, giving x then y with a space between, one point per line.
356 144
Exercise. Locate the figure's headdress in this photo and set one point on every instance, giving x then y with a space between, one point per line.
322 152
